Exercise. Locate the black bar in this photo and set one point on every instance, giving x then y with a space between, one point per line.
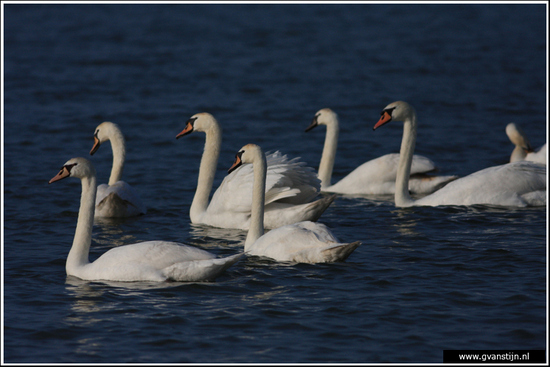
494 356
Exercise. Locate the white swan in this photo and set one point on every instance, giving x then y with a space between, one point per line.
302 242
375 177
144 261
117 198
523 150
513 184
290 186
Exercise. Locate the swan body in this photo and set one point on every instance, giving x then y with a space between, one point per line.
145 261
523 150
514 184
117 198
302 242
290 186
374 177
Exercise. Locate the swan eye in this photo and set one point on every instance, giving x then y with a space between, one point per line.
69 167
388 111
192 120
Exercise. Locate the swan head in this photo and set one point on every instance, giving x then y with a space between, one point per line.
324 116
246 154
75 167
395 111
517 137
202 121
103 133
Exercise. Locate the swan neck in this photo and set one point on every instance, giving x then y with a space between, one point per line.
78 255
402 197
207 171
119 155
256 228
518 154
329 154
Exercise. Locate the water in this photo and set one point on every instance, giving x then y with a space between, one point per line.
424 280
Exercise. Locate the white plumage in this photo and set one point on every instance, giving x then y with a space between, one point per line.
144 261
374 177
290 186
302 242
514 184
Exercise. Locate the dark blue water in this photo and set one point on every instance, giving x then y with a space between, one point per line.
424 280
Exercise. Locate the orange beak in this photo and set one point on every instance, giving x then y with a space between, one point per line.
96 145
236 164
188 129
61 175
384 119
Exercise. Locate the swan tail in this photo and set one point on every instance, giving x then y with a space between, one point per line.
200 270
340 252
535 198
317 208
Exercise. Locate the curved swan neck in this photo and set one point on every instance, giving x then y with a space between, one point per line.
518 154
79 253
329 153
256 228
402 197
119 155
207 171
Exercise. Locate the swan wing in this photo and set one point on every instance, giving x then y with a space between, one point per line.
118 200
377 177
153 261
289 181
303 242
510 184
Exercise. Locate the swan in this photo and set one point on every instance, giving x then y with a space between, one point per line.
517 184
523 150
155 261
289 190
302 242
117 198
375 177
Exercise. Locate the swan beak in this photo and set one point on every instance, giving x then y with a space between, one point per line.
188 130
528 149
238 162
313 124
384 119
61 175
97 143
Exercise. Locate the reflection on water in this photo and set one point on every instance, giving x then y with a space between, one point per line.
405 222
84 288
206 236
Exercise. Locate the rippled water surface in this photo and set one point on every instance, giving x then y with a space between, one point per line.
424 280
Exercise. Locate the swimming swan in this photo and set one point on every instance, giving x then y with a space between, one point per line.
302 242
375 177
145 261
117 198
523 150
290 186
513 184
